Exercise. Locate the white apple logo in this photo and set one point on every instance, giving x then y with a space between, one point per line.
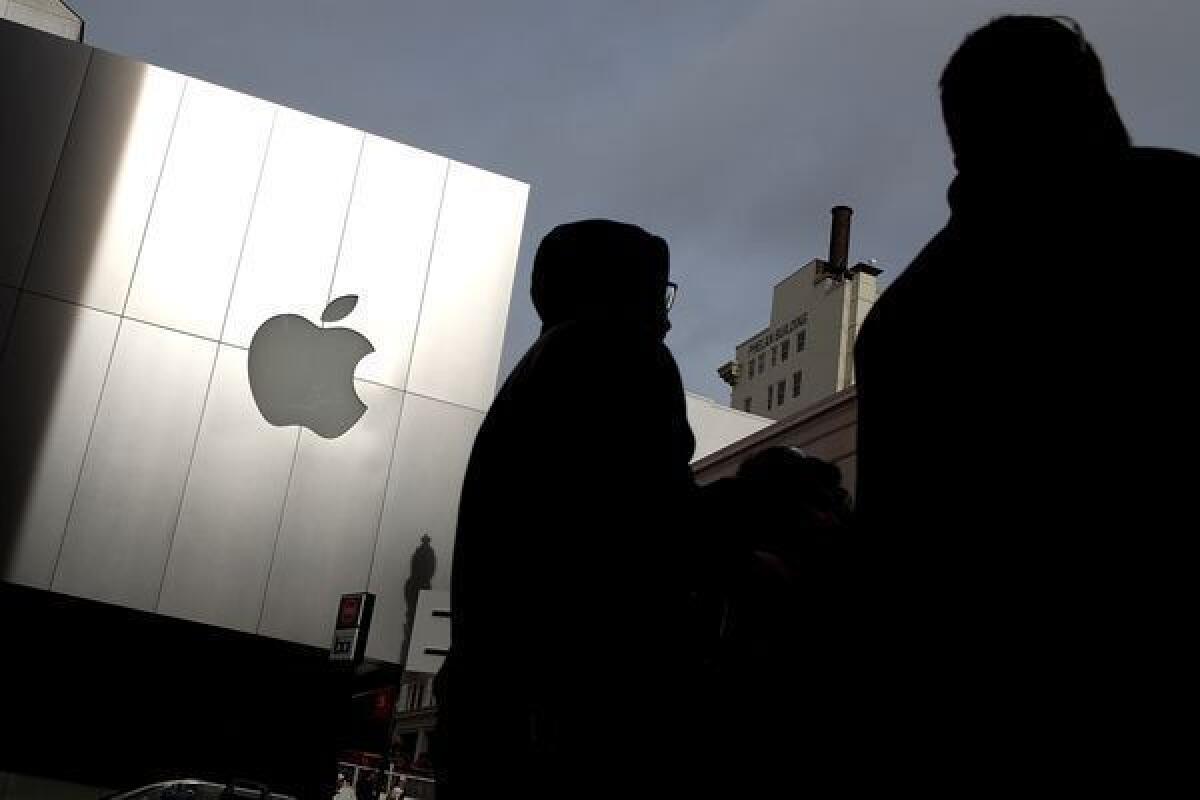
304 375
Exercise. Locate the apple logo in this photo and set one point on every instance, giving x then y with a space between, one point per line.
304 375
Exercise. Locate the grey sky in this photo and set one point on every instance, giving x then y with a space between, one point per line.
728 126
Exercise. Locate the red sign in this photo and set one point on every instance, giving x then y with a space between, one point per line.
348 611
385 703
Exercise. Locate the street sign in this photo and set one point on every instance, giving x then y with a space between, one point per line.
351 627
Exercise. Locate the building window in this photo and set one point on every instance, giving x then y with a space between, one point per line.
762 361
770 398
751 366
783 349
749 403
780 388
773 354
800 339
797 377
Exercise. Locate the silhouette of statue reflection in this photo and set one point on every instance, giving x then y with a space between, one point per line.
420 577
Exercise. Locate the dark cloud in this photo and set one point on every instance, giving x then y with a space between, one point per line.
729 127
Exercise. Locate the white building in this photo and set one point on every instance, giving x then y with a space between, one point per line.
716 426
806 352
50 16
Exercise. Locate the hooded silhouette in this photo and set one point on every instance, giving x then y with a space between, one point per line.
569 581
1025 587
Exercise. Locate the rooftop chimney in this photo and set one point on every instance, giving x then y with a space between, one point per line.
839 241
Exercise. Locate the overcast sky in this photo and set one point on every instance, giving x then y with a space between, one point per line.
728 126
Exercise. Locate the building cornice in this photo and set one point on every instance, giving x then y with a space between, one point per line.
843 398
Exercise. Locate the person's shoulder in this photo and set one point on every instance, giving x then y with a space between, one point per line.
563 348
581 356
1164 158
1162 168
928 267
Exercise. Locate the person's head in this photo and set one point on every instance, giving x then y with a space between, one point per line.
790 472
776 465
598 268
1026 89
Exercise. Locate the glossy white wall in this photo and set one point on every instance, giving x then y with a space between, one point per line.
161 220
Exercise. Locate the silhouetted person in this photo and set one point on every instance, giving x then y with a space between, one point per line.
569 580
779 688
1020 390
808 488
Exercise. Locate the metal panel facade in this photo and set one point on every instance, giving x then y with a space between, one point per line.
429 460
58 356
465 307
331 521
94 223
385 250
127 500
198 224
39 86
221 553
292 242
150 240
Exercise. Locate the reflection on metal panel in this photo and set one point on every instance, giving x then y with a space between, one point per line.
463 316
133 474
200 214
432 447
114 154
292 243
330 521
221 553
41 79
51 376
385 251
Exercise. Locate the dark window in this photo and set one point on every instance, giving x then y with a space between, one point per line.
783 349
797 377
780 388
762 361
773 354
749 402
770 398
752 366
800 339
